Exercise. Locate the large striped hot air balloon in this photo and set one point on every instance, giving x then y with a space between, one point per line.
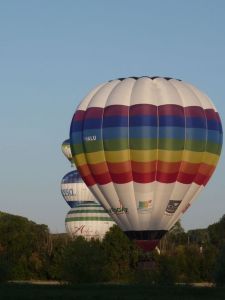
146 147
89 220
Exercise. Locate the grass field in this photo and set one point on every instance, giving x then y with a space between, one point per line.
107 292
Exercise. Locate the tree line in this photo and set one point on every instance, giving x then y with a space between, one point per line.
29 251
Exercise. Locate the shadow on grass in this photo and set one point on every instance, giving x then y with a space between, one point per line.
107 292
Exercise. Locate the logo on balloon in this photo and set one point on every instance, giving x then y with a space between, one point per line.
144 206
117 210
172 206
90 138
67 192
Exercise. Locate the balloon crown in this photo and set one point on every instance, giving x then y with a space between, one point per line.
151 77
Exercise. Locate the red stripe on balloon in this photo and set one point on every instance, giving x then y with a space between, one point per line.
200 179
122 177
211 114
144 177
103 178
79 115
143 110
89 180
186 178
171 110
116 110
94 113
194 111
166 177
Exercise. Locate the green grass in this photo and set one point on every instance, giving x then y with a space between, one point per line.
107 292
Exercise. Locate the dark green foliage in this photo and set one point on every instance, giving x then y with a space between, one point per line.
219 272
29 251
24 246
216 232
121 256
167 270
84 261
4 269
56 255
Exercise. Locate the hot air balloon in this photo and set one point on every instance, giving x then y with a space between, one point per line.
88 220
74 190
67 151
146 147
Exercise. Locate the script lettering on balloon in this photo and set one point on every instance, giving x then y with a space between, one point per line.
82 230
117 210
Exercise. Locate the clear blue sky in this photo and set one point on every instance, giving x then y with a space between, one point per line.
53 52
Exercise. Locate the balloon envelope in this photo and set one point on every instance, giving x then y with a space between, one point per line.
88 220
146 147
67 151
74 190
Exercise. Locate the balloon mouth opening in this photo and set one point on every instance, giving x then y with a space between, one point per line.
147 245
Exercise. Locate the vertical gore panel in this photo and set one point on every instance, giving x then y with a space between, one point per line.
77 148
143 137
93 144
115 135
171 138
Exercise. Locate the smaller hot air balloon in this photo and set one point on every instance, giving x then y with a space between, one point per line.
67 151
74 190
88 220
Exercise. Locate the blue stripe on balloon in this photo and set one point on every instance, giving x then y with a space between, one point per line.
213 125
92 123
196 134
150 132
171 121
172 132
115 121
145 132
71 177
76 126
214 136
76 136
195 122
111 133
92 133
143 121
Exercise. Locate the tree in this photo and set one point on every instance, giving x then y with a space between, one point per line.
84 261
24 246
121 254
216 232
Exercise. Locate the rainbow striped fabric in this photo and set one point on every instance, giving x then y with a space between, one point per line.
145 143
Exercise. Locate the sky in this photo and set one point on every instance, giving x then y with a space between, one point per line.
53 52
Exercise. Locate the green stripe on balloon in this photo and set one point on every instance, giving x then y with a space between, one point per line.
89 219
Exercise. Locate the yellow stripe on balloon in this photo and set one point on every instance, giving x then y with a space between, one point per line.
80 159
197 157
146 156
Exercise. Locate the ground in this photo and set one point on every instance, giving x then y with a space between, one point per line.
12 291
